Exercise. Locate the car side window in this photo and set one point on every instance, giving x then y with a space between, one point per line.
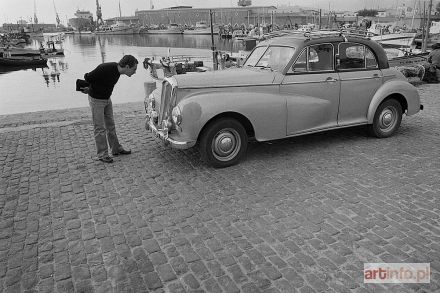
355 56
370 59
314 58
321 57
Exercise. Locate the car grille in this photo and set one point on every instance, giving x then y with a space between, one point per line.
165 100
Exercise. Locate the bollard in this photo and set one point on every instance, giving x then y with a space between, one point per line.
149 87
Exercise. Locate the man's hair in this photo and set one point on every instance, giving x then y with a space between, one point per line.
128 60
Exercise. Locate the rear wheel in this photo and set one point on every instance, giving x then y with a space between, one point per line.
386 119
223 143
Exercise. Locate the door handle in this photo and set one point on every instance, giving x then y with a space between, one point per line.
376 75
331 79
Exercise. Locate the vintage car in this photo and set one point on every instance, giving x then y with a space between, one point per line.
288 86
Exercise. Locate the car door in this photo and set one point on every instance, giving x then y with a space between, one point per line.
311 87
360 79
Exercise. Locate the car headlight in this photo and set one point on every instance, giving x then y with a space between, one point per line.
176 115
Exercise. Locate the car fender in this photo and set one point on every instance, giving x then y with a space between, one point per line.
392 87
262 106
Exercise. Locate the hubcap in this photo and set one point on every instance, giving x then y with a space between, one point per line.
388 119
226 144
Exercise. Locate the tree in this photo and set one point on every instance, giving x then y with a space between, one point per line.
437 8
367 12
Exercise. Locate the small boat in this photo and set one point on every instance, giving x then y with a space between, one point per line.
51 50
23 61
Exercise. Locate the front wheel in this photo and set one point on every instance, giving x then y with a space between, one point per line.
223 143
386 119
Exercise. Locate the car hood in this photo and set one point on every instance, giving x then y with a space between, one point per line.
226 78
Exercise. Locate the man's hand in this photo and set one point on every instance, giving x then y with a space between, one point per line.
85 90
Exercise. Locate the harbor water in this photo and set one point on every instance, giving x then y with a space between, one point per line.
53 87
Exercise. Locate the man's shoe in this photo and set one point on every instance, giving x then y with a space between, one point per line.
106 159
122 152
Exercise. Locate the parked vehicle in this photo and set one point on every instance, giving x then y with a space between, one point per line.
292 85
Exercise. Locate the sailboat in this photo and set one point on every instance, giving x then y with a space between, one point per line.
118 28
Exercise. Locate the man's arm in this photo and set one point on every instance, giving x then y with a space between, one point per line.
93 75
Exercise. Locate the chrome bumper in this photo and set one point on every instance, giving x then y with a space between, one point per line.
162 134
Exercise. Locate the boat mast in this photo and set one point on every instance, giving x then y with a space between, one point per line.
413 16
428 24
120 14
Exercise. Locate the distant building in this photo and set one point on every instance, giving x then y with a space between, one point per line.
29 27
189 16
83 14
124 19
404 11
82 21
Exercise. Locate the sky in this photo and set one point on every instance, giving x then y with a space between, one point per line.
13 10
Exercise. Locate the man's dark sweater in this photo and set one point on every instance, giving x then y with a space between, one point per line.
102 80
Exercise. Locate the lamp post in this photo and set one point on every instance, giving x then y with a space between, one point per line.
214 53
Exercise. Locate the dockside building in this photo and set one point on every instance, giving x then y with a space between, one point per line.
186 15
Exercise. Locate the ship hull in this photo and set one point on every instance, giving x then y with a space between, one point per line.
395 40
164 32
200 32
130 31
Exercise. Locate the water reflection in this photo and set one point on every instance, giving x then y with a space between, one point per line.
52 86
8 69
173 41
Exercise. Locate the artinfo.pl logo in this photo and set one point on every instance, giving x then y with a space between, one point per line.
397 273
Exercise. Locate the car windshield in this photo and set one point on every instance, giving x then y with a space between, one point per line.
273 57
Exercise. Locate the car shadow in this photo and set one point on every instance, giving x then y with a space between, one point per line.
323 140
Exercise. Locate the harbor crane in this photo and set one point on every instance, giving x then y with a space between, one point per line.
35 13
99 20
56 14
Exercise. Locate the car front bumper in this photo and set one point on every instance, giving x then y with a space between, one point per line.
163 134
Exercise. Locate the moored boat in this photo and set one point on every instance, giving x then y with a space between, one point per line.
118 28
173 28
395 40
201 28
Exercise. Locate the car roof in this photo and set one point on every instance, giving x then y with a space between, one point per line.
299 40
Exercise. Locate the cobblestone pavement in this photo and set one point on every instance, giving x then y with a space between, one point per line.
298 215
